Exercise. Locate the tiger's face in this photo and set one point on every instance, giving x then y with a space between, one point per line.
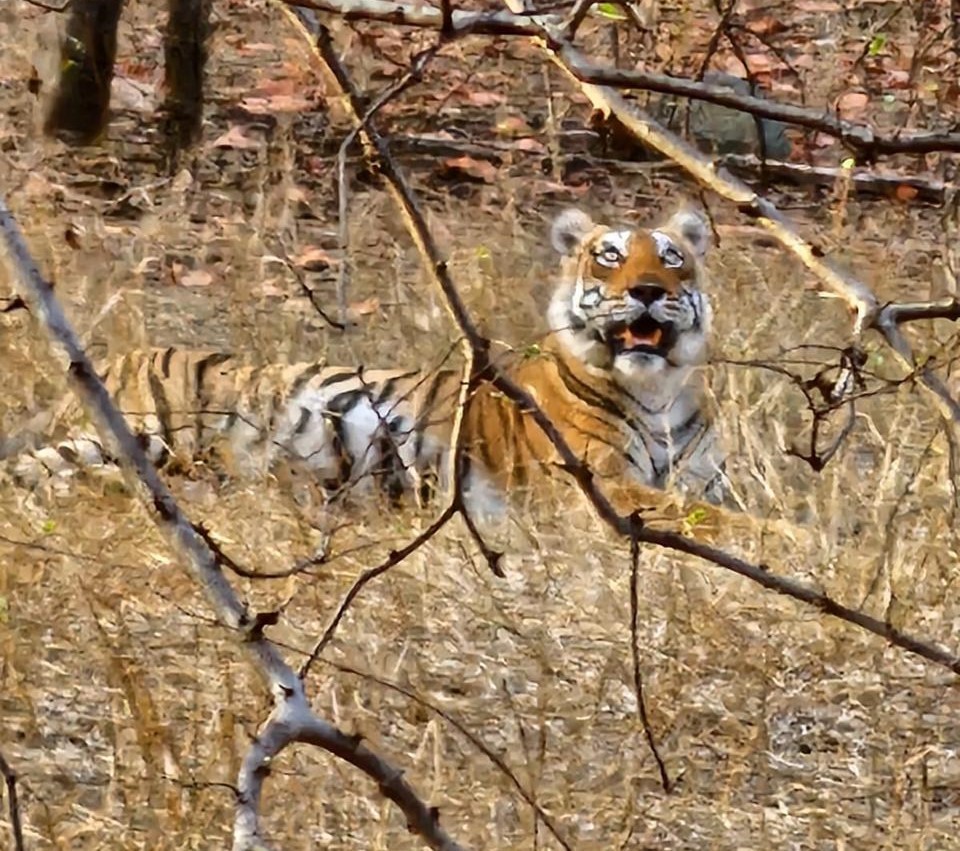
631 299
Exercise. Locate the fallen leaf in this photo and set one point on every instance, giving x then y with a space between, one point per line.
125 93
365 307
477 169
852 105
513 125
531 146
765 25
277 103
905 192
194 278
235 138
896 78
480 98
314 259
269 88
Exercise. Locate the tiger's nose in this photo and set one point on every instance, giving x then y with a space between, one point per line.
647 293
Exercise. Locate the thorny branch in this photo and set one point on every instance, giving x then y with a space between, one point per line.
291 720
627 526
861 138
13 805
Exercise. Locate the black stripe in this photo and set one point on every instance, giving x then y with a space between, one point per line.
338 378
390 385
68 453
202 391
162 406
307 374
593 397
305 416
340 448
420 427
165 361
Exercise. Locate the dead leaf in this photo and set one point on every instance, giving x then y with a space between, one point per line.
513 125
852 105
480 98
194 278
896 78
365 307
905 192
276 104
269 88
477 169
765 25
314 259
531 146
235 138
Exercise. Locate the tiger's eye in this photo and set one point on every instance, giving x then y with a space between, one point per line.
672 258
609 257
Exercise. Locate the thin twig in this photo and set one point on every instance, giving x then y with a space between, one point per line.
395 557
411 76
474 740
665 781
13 804
864 181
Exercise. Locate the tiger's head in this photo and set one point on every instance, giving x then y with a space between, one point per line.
630 300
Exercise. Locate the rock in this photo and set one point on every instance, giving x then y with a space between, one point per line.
721 130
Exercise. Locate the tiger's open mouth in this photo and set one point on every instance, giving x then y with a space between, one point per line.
642 336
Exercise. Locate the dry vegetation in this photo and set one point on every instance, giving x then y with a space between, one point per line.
124 709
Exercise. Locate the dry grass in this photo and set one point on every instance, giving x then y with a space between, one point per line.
124 709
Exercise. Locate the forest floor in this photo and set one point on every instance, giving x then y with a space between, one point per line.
125 710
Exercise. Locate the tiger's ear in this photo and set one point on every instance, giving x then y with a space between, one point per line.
569 230
693 226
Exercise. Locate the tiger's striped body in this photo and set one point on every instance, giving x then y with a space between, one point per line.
618 374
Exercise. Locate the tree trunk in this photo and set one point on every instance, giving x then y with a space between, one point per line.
185 54
80 105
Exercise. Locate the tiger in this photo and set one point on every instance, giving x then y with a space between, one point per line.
619 372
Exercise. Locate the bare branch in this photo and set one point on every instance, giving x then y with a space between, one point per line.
864 182
50 7
898 312
428 17
392 560
635 656
407 79
13 805
291 720
858 137
474 740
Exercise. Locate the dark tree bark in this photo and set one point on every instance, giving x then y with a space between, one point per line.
79 107
185 54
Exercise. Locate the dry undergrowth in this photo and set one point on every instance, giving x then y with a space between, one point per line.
125 711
